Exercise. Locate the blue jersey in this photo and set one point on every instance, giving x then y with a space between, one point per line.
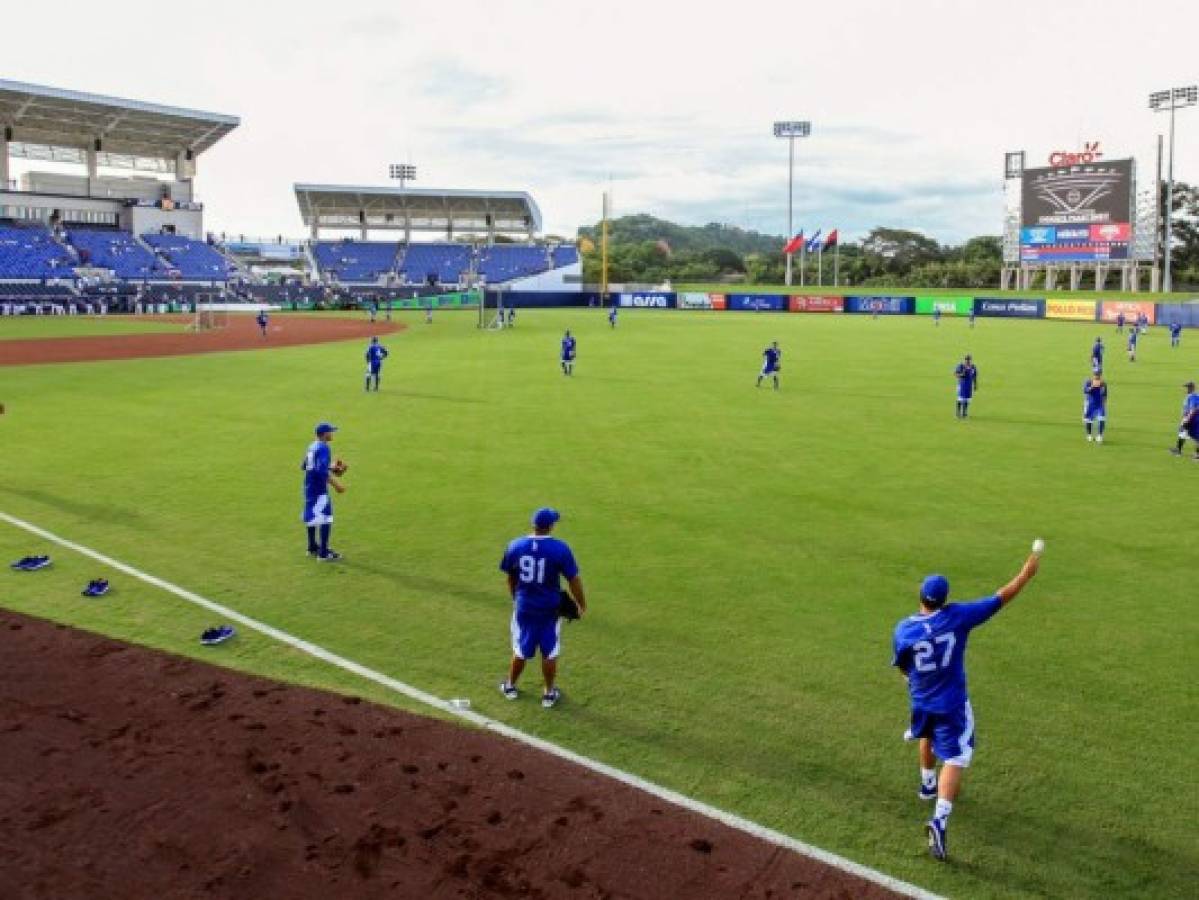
316 469
612 315
1175 330
1097 351
967 376
537 562
568 348
262 319
1095 394
1132 338
772 358
1190 406
930 649
375 354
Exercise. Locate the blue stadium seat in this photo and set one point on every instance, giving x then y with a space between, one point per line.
108 248
28 251
356 261
447 262
194 260
503 262
565 255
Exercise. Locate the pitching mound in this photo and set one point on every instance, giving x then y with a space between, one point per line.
242 333
132 773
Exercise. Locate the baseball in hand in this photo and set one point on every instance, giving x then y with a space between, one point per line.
1038 546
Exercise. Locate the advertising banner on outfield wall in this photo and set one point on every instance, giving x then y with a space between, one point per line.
758 302
949 306
649 299
719 301
1186 314
817 304
691 300
1078 310
884 306
1109 310
1012 309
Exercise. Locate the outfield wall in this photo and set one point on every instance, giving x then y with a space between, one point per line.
1071 310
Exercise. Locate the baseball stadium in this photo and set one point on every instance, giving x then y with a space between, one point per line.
608 604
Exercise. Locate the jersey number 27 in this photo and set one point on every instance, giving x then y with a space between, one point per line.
924 653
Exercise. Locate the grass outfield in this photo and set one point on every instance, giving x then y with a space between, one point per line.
23 328
747 554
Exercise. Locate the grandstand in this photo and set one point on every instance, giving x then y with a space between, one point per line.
476 229
146 226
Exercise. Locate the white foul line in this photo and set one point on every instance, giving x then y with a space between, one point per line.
649 787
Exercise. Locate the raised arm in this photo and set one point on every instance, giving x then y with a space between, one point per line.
1008 592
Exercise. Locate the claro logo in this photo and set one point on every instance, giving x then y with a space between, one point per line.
1090 153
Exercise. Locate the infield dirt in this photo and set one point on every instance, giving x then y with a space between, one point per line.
131 773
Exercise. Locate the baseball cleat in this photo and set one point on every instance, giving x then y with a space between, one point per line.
1174 451
1089 438
935 828
550 698
509 690
927 792
218 635
97 587
329 556
1099 439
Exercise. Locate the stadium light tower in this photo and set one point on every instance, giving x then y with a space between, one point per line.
1161 101
791 131
402 172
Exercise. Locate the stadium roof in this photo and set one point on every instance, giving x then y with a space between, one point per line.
418 209
54 124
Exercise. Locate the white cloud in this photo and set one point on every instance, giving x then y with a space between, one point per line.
913 104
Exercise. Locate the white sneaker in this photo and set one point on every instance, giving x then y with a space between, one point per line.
1099 439
1090 438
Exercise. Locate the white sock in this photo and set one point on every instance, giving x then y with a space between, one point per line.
944 808
928 777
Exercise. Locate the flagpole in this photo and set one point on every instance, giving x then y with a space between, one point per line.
836 260
803 255
820 264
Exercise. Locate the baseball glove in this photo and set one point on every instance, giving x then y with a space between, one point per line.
567 608
339 467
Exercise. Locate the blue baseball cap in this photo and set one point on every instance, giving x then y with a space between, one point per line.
934 590
325 427
545 517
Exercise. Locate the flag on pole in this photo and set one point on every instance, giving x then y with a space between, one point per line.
794 244
831 240
814 242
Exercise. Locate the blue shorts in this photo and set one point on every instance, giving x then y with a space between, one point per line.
1193 431
533 632
318 510
951 733
1091 412
374 369
964 396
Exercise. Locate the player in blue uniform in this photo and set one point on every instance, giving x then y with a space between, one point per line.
772 364
971 317
262 319
937 316
567 356
375 354
429 313
1189 427
966 373
1175 334
1133 334
511 316
612 316
1097 356
930 649
1120 323
318 468
534 565
372 308
1094 405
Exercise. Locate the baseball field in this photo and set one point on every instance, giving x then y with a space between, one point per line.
746 552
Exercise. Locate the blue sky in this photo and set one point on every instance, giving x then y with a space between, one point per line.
668 105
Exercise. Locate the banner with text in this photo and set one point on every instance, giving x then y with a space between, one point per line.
1109 310
883 306
947 306
691 300
648 299
1012 309
814 304
1077 310
758 302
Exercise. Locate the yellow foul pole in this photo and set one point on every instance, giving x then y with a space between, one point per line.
604 253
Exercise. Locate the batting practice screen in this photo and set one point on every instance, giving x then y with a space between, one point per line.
1077 213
